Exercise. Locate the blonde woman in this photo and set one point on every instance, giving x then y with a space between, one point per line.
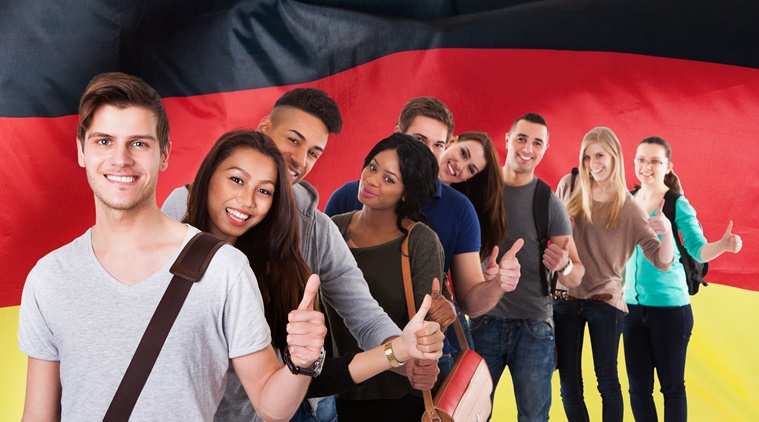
608 225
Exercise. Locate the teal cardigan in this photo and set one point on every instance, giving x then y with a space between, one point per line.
645 285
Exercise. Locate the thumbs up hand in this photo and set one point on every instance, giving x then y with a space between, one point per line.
305 328
422 373
441 310
731 242
659 222
420 339
506 273
556 257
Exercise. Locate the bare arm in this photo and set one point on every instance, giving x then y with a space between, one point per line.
729 243
473 293
272 389
274 392
557 256
43 391
476 292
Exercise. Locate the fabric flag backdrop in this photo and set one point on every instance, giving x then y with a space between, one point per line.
688 72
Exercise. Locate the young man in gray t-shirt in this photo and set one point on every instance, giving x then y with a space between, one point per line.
519 332
85 306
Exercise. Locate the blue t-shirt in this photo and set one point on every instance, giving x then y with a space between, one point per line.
449 213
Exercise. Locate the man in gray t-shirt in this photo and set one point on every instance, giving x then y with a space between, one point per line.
518 331
86 305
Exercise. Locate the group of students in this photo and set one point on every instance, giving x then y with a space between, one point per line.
85 306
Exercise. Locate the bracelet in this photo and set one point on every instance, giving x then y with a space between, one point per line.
391 356
567 268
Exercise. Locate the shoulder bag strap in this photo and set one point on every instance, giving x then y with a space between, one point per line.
429 405
187 269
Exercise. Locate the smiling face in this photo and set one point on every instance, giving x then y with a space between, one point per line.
651 164
381 185
433 133
598 162
461 161
300 137
240 193
121 156
526 143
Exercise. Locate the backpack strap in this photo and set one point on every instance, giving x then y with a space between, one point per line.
540 214
575 172
670 211
189 268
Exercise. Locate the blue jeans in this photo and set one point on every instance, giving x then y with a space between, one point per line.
605 326
657 337
326 411
526 347
451 344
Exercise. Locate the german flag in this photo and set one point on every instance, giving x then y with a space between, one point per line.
685 71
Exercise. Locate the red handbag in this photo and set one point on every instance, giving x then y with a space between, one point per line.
464 395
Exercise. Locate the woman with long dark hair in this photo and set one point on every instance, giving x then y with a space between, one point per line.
399 176
658 328
608 225
470 164
242 194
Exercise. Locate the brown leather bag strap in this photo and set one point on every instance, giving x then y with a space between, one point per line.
406 267
189 267
429 405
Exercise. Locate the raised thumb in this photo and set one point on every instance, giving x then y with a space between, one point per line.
512 253
422 312
660 209
309 294
493 257
435 287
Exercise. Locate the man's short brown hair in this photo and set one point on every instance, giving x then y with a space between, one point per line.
428 107
121 91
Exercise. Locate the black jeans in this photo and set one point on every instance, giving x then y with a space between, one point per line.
657 337
605 327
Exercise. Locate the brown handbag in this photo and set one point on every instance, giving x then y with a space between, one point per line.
464 395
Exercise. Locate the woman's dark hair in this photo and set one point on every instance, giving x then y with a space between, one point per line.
272 246
419 171
670 179
485 191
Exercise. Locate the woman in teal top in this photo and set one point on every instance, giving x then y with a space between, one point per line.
660 320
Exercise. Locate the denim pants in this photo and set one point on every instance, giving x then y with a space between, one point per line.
451 344
657 337
605 326
325 411
526 347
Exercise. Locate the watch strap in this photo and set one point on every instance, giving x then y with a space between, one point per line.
297 370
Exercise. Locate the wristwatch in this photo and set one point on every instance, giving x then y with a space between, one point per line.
567 269
297 370
391 356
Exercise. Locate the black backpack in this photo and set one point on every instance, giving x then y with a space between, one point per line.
694 270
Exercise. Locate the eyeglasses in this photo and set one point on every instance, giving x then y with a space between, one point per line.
654 161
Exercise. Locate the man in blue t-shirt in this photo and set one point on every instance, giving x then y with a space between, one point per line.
450 214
